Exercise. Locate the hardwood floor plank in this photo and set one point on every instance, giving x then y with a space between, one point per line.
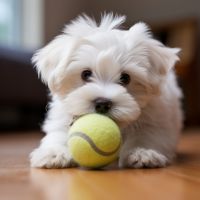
180 181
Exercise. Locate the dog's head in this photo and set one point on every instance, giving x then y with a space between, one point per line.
100 68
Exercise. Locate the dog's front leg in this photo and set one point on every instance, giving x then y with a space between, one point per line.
52 152
145 150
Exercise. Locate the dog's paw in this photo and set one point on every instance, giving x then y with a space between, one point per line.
51 157
143 158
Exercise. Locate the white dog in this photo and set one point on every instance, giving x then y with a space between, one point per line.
125 74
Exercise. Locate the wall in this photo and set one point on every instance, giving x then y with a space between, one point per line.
148 10
59 12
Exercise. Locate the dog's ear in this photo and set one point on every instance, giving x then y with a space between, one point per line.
51 61
46 60
150 54
160 57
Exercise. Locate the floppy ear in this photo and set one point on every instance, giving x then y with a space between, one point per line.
152 56
47 58
160 57
51 61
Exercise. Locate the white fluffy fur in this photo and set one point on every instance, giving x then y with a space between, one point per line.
147 110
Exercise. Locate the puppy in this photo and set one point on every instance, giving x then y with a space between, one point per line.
124 74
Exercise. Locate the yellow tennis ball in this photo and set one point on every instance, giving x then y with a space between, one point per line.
94 141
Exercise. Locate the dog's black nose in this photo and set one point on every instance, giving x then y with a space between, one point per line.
102 105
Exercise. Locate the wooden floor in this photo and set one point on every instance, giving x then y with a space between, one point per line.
180 181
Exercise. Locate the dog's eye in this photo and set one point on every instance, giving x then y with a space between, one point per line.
125 79
86 74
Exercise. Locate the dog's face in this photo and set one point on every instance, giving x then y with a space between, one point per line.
102 69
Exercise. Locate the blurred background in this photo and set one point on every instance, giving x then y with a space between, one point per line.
26 25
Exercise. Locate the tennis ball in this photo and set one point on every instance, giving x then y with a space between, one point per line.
94 141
